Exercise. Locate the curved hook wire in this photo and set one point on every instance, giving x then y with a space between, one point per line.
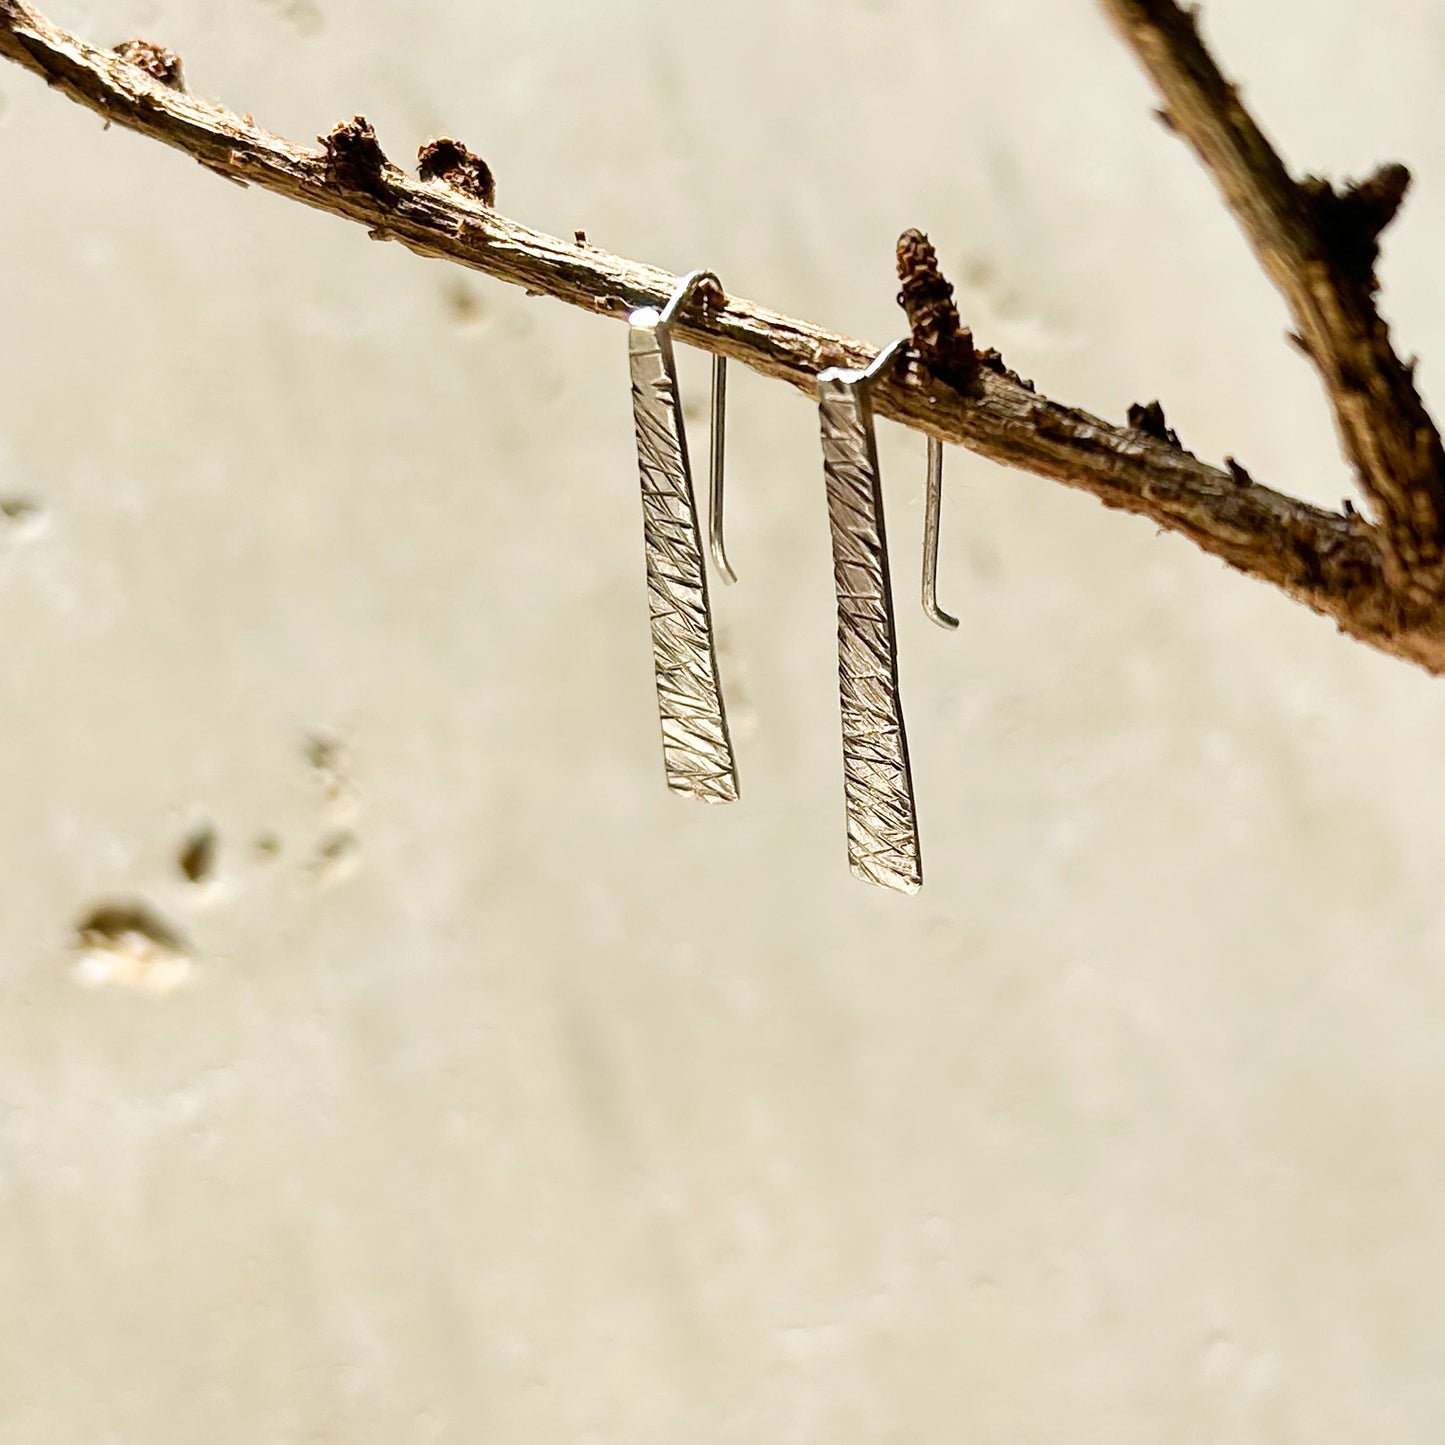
933 507
933 497
715 471
886 358
683 292
686 289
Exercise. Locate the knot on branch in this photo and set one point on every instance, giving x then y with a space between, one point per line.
1349 222
992 360
1149 419
449 161
1238 473
157 62
943 343
354 159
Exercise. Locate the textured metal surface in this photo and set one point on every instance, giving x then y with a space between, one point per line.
697 752
878 787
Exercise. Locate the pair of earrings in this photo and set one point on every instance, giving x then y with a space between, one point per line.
696 748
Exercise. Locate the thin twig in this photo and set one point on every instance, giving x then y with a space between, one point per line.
1327 560
1319 247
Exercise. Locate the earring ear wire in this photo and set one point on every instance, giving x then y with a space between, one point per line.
716 437
877 778
933 507
696 746
882 820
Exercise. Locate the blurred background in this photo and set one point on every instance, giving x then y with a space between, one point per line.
386 1056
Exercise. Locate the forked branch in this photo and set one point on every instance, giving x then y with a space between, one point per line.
1319 246
1379 584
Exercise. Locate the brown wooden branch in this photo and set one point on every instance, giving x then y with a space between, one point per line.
1319 247
1329 561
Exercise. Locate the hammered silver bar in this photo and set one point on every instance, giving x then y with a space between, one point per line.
877 783
696 749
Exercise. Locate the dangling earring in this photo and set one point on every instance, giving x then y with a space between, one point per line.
877 781
696 749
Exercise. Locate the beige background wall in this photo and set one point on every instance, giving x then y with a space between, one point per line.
509 1098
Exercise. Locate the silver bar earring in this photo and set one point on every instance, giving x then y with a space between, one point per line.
877 781
696 749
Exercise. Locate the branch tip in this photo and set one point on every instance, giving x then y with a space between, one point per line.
943 343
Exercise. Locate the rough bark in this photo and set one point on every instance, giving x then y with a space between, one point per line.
1379 583
1319 245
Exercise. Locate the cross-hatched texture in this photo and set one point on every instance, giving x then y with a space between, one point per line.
882 823
696 749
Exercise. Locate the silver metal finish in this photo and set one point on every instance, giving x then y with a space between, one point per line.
932 508
696 749
715 470
877 783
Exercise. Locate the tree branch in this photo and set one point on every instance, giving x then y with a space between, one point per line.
1319 247
1328 561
